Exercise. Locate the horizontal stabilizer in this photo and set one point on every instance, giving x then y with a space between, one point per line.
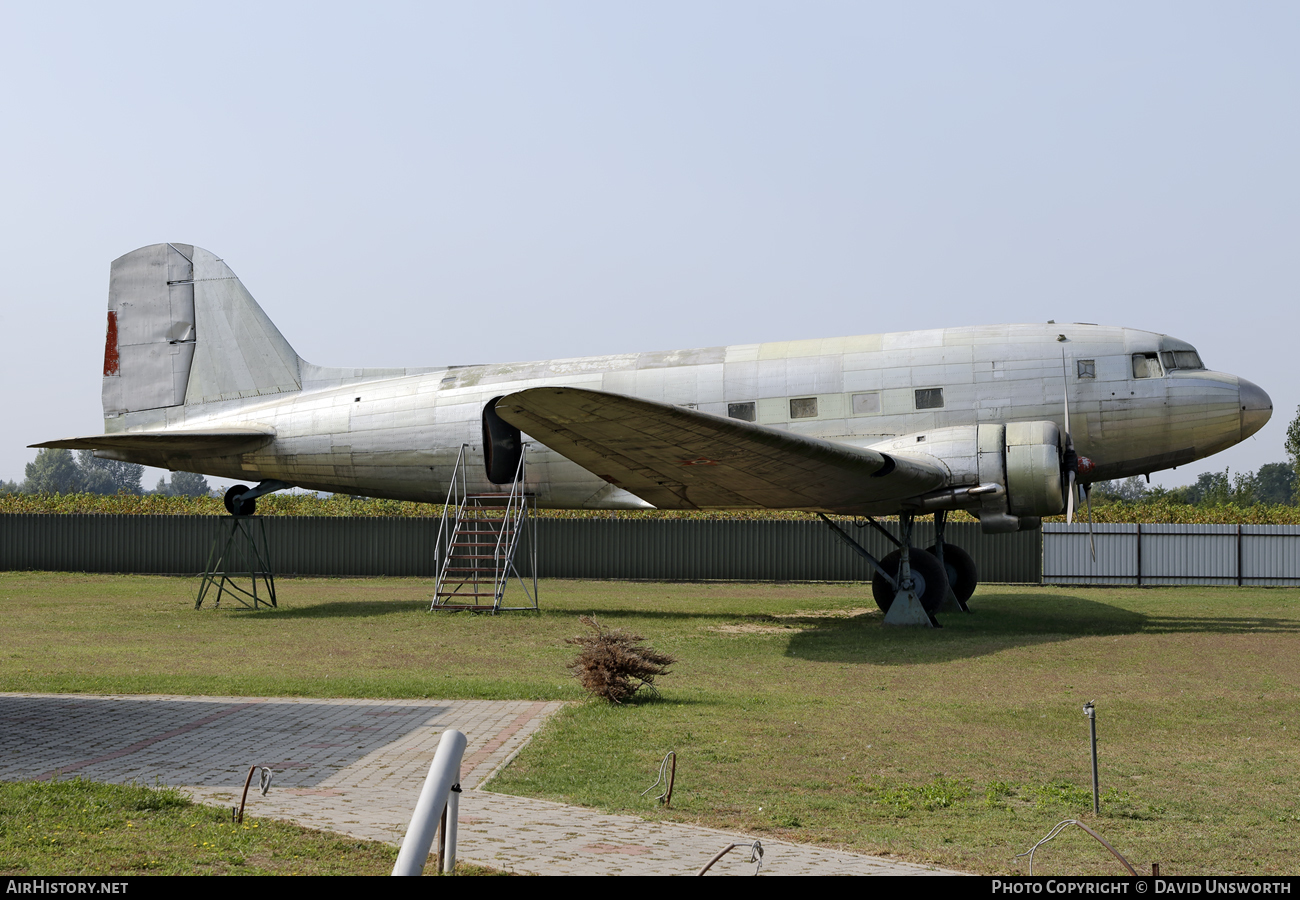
679 458
190 443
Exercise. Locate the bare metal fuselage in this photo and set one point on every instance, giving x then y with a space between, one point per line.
388 435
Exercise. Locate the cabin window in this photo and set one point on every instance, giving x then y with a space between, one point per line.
803 408
1087 368
929 398
746 412
866 404
1146 365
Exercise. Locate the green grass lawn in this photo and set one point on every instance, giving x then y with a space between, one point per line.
78 827
82 828
794 713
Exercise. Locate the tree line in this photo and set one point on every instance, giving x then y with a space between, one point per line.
60 472
1274 483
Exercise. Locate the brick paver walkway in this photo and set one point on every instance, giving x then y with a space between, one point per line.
356 767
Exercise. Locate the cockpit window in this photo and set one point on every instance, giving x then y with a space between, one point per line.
1181 359
1146 365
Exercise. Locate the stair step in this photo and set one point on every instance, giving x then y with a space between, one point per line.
486 533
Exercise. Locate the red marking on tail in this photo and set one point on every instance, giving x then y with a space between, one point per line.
110 345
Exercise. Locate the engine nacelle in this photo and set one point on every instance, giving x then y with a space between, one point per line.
1009 475
1026 459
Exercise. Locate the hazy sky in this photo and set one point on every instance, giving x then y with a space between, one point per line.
423 184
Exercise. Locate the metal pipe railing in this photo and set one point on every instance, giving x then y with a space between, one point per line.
455 500
444 774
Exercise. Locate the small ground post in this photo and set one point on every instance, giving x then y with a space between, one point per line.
1090 710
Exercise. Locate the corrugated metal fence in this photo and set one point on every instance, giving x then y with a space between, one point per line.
651 549
666 549
1173 554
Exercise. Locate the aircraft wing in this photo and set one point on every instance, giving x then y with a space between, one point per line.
679 458
179 441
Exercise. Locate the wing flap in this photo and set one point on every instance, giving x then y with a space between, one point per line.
678 458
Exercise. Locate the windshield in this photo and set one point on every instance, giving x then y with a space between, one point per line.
1181 359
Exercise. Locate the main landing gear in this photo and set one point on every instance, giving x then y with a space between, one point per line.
910 584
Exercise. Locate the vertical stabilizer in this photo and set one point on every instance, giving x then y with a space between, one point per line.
182 329
240 352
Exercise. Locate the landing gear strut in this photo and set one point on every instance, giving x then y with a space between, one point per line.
957 564
910 584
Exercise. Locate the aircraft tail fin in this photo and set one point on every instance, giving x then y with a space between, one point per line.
183 330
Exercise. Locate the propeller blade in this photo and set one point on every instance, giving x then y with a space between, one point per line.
1070 460
1065 384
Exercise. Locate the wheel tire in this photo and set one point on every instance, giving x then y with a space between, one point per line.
962 575
247 508
931 582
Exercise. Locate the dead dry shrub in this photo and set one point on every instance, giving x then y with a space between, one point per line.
609 661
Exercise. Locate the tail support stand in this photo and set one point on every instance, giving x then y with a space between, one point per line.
239 553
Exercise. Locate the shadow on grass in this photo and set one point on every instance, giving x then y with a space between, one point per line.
999 622
1221 625
344 609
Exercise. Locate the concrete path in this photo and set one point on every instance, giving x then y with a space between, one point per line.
356 767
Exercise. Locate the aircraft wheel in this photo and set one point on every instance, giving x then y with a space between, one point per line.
931 583
246 508
961 570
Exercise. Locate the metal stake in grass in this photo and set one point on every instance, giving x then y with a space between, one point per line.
1090 710
666 798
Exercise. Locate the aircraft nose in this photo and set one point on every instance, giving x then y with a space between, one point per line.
1256 407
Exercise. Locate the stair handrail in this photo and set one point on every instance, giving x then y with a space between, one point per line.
515 520
510 522
455 499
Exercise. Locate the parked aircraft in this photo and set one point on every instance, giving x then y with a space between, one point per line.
998 420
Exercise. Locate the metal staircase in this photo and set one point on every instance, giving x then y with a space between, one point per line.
478 543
